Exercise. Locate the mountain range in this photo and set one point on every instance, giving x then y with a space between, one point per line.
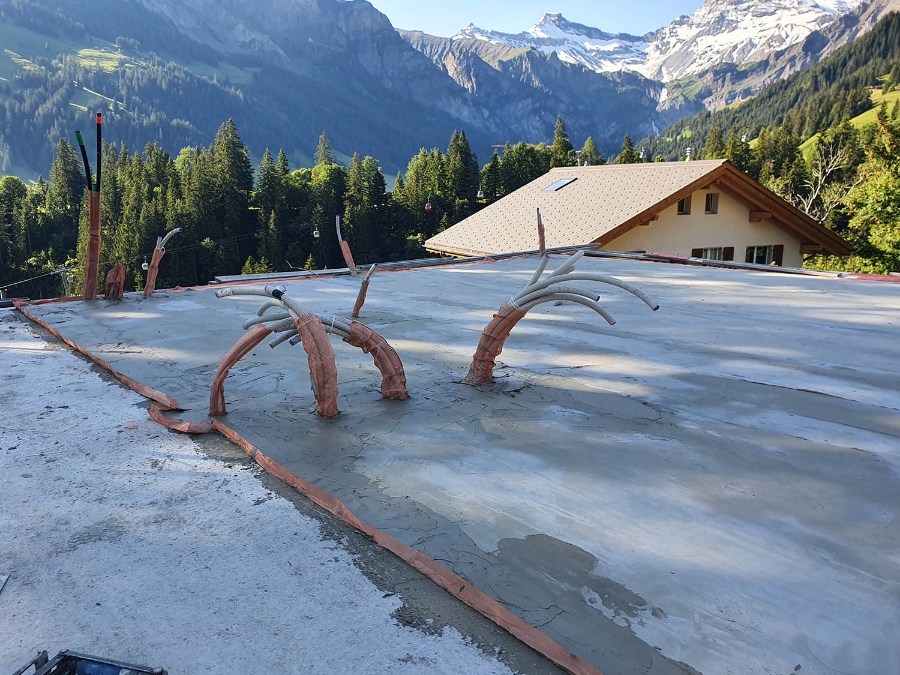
730 31
287 70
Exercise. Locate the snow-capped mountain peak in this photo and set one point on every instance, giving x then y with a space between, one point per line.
736 31
720 31
572 42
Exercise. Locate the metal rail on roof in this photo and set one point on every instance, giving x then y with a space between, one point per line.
705 262
398 265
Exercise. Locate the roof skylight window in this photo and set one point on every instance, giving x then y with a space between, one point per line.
559 185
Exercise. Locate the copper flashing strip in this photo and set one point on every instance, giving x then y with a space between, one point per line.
450 582
242 347
156 411
360 298
443 577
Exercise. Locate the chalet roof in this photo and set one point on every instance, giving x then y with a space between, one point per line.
601 203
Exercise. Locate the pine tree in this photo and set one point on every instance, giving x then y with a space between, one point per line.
12 196
310 264
737 151
522 164
627 155
589 154
67 187
324 154
874 201
283 166
491 177
561 152
269 245
463 176
715 145
327 189
233 185
249 266
426 184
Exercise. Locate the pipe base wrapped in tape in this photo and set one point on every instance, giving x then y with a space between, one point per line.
322 367
240 349
393 379
361 298
348 257
491 343
92 255
115 283
153 272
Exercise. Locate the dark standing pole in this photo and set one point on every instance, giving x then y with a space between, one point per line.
99 148
87 164
92 259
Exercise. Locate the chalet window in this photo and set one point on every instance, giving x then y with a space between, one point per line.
684 206
708 253
720 253
712 202
760 255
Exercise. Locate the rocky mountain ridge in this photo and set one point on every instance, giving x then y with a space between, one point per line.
295 68
720 31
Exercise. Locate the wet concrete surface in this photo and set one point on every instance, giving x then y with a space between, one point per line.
715 484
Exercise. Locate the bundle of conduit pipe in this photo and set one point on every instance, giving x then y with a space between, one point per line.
158 254
554 288
295 324
363 289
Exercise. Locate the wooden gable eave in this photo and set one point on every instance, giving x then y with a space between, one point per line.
784 215
651 213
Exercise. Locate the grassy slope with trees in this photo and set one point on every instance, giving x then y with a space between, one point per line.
54 73
847 174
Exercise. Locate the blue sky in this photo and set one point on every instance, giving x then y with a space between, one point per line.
446 17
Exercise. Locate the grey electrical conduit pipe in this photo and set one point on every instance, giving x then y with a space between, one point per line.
161 241
584 276
294 337
540 270
249 323
278 292
580 297
286 323
568 264
562 288
263 308
566 297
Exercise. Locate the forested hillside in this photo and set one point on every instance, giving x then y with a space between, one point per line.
239 219
807 103
156 85
849 175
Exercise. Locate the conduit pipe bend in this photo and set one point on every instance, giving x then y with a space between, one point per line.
554 288
363 289
296 324
584 276
320 355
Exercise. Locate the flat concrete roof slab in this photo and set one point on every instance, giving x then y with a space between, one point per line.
716 484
